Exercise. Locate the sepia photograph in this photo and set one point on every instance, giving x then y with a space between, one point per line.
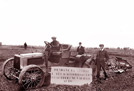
66 45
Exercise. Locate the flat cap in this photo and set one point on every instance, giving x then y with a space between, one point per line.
101 45
53 37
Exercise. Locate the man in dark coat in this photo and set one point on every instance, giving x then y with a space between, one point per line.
101 58
80 49
25 45
79 62
55 44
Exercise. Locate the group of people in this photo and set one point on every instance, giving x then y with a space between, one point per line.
101 57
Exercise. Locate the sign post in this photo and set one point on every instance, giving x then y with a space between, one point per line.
71 75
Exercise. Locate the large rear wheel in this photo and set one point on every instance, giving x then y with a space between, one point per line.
31 77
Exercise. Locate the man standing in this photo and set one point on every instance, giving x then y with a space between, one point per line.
25 45
101 58
80 49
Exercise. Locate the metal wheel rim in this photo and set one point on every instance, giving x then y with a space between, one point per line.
32 78
8 70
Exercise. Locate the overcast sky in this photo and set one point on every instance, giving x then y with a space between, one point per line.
91 22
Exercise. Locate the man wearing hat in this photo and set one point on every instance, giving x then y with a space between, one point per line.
55 44
101 58
80 61
80 49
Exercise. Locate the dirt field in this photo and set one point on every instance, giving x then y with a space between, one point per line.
116 82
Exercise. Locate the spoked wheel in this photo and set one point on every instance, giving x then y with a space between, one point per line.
31 77
8 69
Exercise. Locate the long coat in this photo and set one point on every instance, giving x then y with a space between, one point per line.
81 50
101 58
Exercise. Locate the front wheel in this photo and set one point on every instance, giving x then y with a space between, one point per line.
31 77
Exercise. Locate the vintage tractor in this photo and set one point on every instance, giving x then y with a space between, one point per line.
25 68
30 69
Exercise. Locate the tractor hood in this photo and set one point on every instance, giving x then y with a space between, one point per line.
31 55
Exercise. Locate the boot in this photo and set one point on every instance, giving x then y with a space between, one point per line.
98 79
106 76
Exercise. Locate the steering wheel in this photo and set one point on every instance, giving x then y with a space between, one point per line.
47 44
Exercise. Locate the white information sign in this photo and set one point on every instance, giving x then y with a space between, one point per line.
71 75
